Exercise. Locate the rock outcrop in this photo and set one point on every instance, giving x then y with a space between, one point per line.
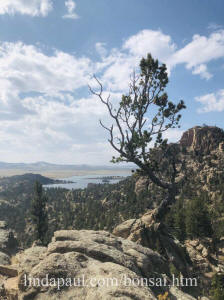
207 258
90 265
203 138
200 258
141 185
149 233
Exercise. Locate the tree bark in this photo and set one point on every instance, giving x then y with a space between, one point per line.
165 205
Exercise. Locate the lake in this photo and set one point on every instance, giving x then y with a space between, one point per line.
81 181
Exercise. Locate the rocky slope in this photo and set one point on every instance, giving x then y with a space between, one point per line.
204 161
108 267
193 258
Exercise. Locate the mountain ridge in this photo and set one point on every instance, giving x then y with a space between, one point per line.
42 165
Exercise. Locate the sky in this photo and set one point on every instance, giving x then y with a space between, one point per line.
50 50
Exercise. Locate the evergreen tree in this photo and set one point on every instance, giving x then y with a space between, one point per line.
142 116
198 223
39 212
179 220
217 291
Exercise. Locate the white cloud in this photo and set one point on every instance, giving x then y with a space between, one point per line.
157 43
202 71
212 102
117 69
199 51
195 55
25 68
71 6
57 132
38 109
26 7
119 63
173 135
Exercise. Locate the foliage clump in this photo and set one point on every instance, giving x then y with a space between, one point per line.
217 290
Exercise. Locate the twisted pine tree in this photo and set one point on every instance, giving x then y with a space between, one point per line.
139 121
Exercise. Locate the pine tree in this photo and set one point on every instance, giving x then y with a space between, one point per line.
217 291
39 213
198 223
179 220
142 116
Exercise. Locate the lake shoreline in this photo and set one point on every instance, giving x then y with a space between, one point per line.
82 181
62 174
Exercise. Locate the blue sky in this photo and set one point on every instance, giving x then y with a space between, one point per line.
49 50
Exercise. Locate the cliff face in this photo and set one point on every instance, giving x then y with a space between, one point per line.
203 139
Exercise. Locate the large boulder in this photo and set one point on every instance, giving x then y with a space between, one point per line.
149 233
29 258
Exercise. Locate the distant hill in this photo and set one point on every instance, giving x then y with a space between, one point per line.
42 166
28 178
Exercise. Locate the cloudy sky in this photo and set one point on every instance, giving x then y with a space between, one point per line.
49 50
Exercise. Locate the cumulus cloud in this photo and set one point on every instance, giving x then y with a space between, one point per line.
25 68
200 51
70 6
173 135
157 43
57 131
39 112
39 109
212 102
195 55
120 63
202 71
32 7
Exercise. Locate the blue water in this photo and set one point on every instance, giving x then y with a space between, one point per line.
81 181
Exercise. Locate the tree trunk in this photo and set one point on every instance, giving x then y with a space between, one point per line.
165 205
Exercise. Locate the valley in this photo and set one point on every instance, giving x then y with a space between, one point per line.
189 238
